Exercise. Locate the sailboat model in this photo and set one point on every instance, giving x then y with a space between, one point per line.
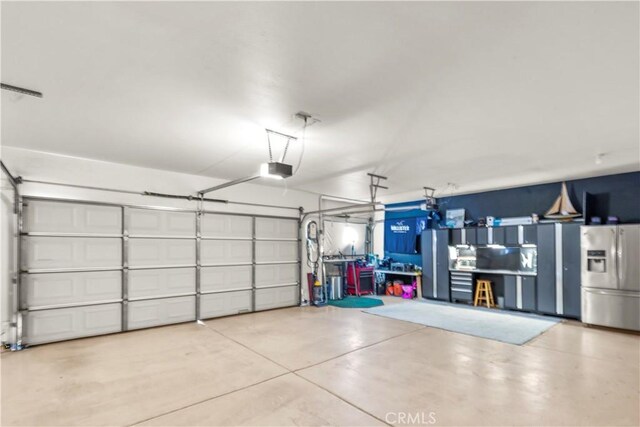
562 207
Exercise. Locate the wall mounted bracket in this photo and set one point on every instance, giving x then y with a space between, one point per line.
375 185
21 90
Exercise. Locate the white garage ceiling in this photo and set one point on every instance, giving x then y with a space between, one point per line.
483 95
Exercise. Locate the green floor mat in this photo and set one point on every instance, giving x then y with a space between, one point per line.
356 302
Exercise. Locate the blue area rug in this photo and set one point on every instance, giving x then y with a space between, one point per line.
508 327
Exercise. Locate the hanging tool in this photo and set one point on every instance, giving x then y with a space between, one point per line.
313 262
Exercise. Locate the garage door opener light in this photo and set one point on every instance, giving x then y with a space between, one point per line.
272 169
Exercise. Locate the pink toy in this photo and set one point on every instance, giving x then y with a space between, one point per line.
407 291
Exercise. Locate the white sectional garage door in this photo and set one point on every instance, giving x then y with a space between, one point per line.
91 269
55 217
226 257
277 269
161 273
71 262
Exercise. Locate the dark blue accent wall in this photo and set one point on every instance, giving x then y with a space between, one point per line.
616 195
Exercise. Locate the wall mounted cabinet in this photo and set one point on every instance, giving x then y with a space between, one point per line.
482 236
470 236
511 235
529 234
497 235
455 236
463 236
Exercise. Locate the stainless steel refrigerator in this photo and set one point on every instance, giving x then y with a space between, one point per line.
610 261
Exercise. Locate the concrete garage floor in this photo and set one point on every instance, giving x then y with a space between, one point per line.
328 366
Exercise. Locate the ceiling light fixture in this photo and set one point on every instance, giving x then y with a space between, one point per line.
276 170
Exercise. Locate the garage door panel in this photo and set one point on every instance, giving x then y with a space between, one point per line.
148 313
214 279
274 228
50 289
225 304
275 251
70 252
68 323
62 217
161 252
161 279
147 222
222 252
269 298
163 282
226 226
276 274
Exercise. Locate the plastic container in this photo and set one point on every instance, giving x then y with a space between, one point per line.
335 288
389 289
397 288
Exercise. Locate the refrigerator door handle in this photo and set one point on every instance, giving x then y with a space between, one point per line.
615 251
620 258
615 292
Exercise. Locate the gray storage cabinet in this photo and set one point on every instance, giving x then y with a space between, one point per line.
456 236
554 290
442 265
498 234
482 236
463 236
510 292
546 278
470 236
529 234
435 264
571 270
427 263
529 300
511 235
523 285
462 286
